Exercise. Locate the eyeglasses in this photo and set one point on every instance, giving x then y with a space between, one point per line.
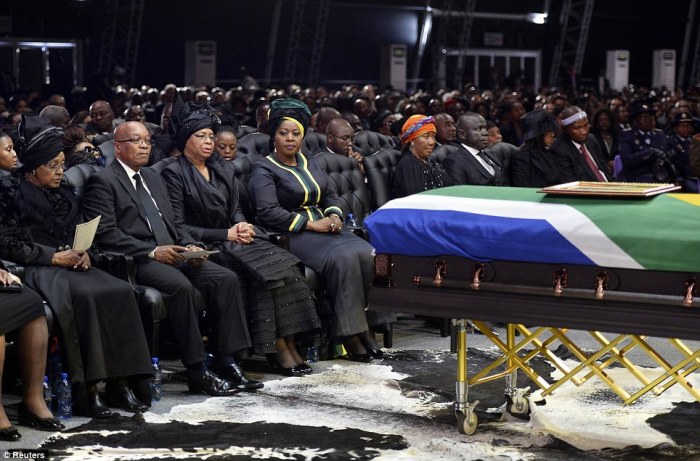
137 141
54 166
346 138
203 137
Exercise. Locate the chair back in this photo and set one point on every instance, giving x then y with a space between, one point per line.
77 175
242 166
313 142
254 143
160 165
242 130
502 152
379 168
442 151
368 142
347 181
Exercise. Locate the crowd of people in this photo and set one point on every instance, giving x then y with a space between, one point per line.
165 190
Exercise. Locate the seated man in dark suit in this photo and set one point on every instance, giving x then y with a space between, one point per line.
339 136
470 164
138 220
579 156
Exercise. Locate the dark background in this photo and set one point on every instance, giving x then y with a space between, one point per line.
355 33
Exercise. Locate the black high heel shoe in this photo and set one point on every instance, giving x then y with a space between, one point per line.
29 419
10 434
304 368
371 346
279 369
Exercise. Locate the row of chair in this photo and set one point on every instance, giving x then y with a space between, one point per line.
366 143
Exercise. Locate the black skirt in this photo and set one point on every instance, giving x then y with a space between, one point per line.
18 308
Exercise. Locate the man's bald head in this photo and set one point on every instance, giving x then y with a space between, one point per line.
325 115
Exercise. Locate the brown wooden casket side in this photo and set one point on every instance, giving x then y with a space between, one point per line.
588 298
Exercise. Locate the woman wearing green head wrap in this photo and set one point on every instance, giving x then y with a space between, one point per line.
205 196
292 195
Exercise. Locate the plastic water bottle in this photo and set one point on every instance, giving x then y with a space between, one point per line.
156 391
350 221
48 392
312 354
65 398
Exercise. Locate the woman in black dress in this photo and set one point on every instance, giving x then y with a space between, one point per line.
204 194
101 328
292 196
416 171
23 310
605 131
533 165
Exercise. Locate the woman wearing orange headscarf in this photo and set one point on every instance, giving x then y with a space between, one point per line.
416 171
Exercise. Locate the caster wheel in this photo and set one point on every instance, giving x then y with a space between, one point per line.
520 406
466 425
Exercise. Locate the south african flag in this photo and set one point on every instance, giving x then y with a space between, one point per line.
516 224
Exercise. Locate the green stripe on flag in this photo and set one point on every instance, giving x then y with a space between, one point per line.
661 233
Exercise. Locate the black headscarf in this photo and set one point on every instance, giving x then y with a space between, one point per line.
38 142
188 118
287 108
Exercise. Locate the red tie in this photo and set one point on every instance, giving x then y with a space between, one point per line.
592 165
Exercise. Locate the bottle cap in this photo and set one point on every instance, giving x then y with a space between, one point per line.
154 360
64 375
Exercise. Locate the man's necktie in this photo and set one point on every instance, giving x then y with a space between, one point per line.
160 232
488 164
592 165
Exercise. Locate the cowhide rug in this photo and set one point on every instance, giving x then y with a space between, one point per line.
397 409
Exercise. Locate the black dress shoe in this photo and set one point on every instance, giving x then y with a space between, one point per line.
362 358
29 419
377 354
97 409
235 374
211 384
10 434
121 396
142 390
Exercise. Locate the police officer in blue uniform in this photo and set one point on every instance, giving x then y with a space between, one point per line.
644 150
679 142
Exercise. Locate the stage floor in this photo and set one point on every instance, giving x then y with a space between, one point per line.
403 405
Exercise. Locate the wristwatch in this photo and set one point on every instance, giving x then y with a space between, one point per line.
152 254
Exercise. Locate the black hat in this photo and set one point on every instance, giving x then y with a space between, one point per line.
538 122
682 117
37 141
642 107
188 118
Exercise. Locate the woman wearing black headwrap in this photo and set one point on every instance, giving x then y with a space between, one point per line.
292 195
204 194
533 165
101 327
